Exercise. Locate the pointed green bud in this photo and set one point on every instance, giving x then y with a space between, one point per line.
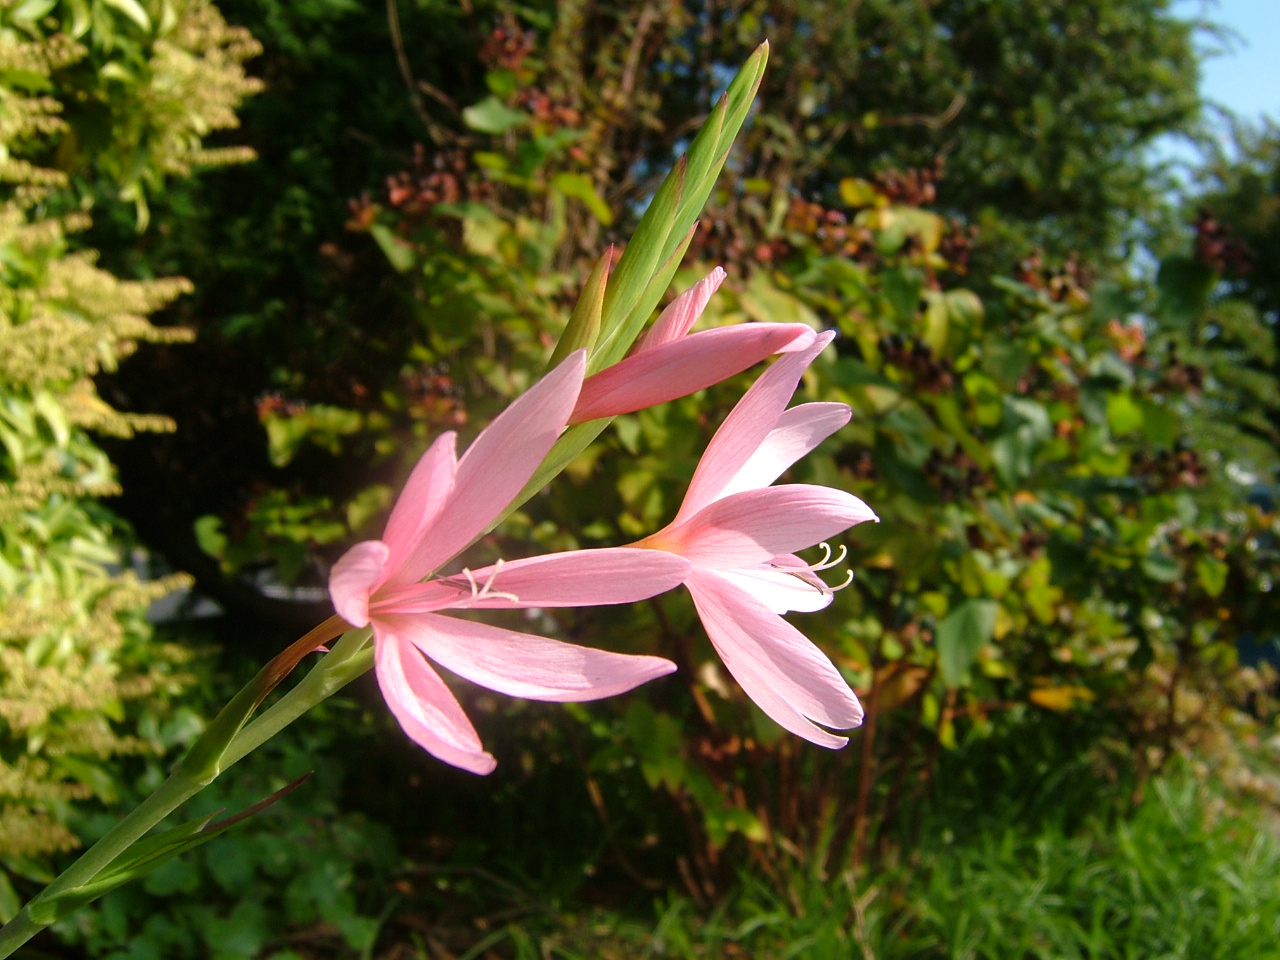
635 270
584 324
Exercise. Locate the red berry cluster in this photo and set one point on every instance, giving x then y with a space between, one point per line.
441 177
507 47
1070 281
1227 255
1170 469
955 475
432 396
916 187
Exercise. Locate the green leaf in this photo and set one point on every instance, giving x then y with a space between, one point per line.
133 10
961 634
491 115
49 408
1161 567
1212 574
902 288
765 302
579 186
1123 415
9 902
29 11
398 253
1184 285
583 328
210 535
146 855
965 313
856 192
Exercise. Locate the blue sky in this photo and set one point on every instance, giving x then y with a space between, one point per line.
1245 76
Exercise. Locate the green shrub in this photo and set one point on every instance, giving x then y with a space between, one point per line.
80 676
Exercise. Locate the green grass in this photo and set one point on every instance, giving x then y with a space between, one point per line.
1182 876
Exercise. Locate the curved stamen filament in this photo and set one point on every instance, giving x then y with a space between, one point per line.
826 563
486 592
808 574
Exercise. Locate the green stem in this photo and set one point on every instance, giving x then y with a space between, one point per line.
350 657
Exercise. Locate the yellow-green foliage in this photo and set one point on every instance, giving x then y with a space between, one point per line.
78 665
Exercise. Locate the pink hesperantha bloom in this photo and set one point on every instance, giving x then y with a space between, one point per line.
741 534
445 505
668 362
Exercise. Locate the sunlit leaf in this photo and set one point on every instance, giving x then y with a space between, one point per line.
960 635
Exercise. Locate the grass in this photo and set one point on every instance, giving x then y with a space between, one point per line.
1182 876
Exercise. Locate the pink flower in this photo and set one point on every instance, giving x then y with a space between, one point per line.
446 503
740 534
668 363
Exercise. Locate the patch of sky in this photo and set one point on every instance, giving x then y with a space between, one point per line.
1239 73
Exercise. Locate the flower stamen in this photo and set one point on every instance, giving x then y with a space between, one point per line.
827 562
808 574
486 592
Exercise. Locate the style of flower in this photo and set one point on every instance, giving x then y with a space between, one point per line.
669 363
740 534
446 503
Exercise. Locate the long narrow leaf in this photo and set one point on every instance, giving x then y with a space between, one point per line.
145 856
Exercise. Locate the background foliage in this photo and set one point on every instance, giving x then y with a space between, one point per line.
1069 601
85 93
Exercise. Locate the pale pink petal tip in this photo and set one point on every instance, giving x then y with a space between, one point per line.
681 367
683 313
787 676
425 707
356 575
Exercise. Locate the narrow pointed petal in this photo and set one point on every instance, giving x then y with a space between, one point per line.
500 461
580 578
427 709
524 665
799 430
682 367
754 526
419 506
789 678
355 576
683 312
747 426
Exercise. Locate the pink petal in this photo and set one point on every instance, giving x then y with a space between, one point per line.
752 527
788 677
524 665
798 431
580 578
500 461
418 507
355 576
678 319
747 426
781 591
427 709
682 367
